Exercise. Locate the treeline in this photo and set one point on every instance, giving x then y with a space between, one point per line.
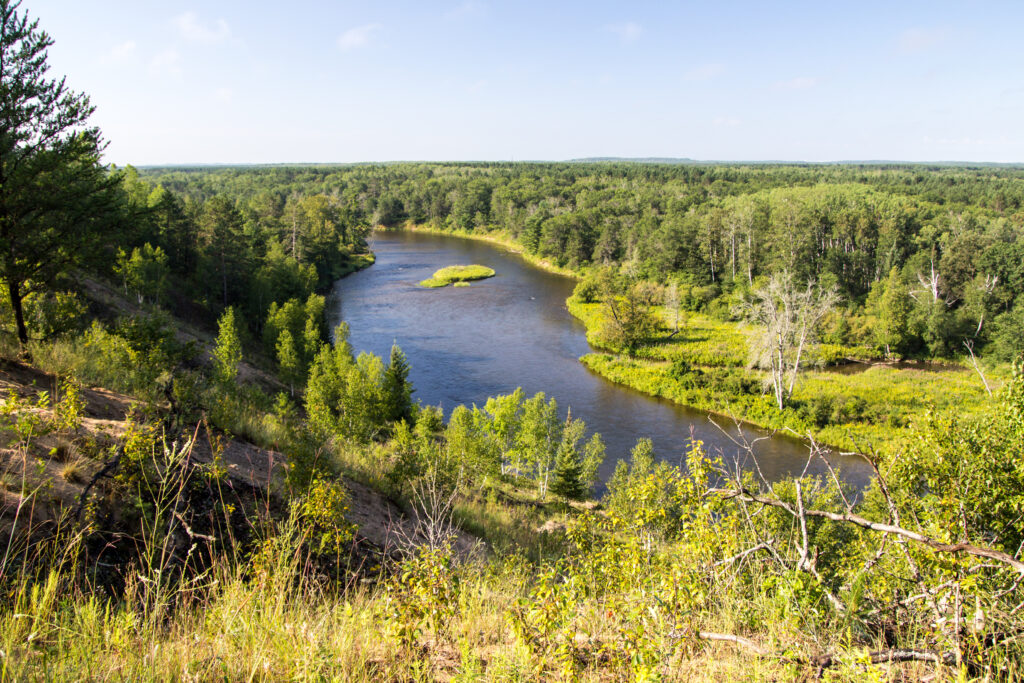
197 256
944 242
226 252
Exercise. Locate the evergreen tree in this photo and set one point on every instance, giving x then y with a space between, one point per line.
397 388
56 201
567 477
221 225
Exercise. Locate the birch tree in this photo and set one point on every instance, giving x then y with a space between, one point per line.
790 317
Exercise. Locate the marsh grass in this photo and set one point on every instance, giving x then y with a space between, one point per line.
458 275
704 366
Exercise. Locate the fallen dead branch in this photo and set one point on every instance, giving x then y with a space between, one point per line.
746 495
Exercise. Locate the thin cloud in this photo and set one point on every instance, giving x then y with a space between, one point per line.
467 8
915 40
195 31
727 122
799 83
167 63
357 37
704 72
192 29
628 32
120 53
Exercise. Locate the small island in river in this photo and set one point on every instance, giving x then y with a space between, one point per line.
459 275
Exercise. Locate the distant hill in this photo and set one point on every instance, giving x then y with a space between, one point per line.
780 162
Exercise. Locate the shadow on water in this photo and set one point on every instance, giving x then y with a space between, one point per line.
513 330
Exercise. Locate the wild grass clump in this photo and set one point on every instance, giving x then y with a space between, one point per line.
459 275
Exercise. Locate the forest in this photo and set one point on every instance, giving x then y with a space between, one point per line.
201 481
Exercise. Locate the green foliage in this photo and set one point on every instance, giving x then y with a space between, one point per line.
397 388
627 313
227 352
422 598
69 408
322 511
293 334
48 313
344 395
457 274
567 477
58 205
288 359
893 312
587 290
965 475
144 272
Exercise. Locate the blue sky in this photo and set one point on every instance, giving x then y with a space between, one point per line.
305 81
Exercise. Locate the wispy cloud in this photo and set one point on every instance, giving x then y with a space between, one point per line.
166 63
628 32
799 83
224 95
357 37
704 72
194 30
919 39
465 9
120 53
726 121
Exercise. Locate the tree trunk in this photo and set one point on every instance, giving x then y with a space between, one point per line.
14 290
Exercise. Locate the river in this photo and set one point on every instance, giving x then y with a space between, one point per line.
513 330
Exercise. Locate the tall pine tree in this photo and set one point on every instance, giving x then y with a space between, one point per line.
397 388
56 201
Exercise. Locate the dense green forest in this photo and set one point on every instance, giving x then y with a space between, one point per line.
197 485
952 234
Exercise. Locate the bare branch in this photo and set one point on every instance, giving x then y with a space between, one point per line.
849 518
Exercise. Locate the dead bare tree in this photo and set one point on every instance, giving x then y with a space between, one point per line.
790 317
969 345
433 501
964 635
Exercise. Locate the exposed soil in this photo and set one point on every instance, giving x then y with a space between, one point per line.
45 482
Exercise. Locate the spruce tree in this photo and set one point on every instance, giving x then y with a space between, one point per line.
397 388
567 478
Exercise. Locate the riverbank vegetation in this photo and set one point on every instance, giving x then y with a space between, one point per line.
457 275
923 260
196 485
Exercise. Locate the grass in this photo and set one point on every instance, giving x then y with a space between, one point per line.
539 606
704 366
497 238
459 275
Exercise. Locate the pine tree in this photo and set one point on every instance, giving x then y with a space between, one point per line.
567 478
397 388
56 202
